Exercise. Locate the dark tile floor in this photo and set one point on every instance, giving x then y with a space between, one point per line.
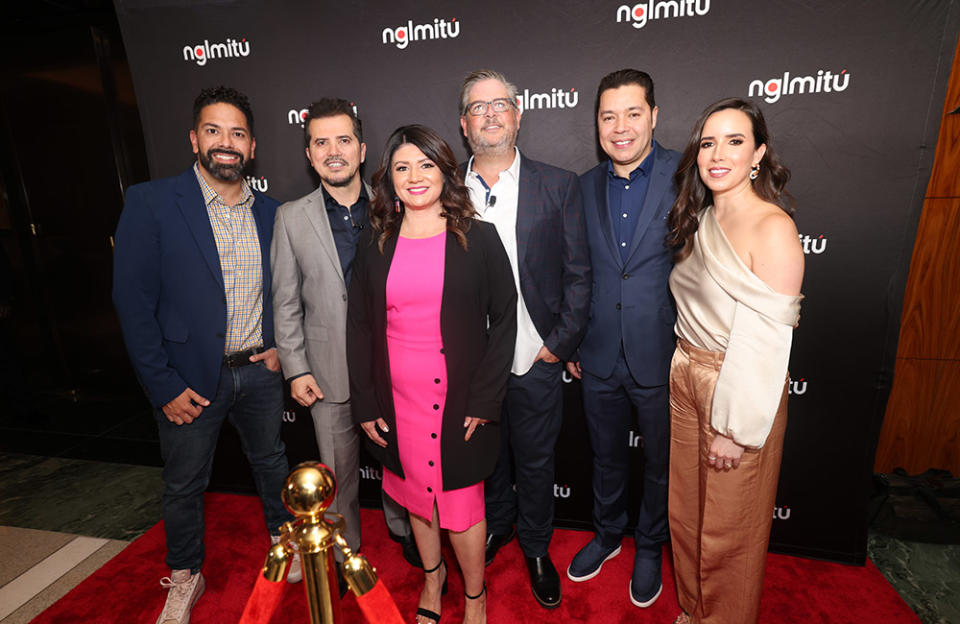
121 501
99 425
927 576
91 498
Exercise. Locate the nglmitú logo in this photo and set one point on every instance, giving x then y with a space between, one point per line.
639 14
262 184
554 98
295 116
371 473
634 440
201 53
401 36
775 88
797 387
816 245
561 491
781 512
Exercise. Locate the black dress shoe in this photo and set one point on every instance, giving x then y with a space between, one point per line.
495 541
409 545
544 581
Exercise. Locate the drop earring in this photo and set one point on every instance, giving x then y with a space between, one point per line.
754 171
396 204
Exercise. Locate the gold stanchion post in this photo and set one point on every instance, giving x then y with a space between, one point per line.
307 493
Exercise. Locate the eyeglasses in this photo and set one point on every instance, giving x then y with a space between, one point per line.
499 105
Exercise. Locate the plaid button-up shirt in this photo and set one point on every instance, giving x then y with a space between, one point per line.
238 245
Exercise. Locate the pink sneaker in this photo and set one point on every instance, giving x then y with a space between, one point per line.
185 589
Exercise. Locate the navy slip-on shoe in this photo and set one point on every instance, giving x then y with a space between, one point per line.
646 582
587 562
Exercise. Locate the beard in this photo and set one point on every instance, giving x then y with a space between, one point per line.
340 178
479 145
223 171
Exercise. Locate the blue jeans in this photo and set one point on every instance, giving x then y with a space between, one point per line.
251 397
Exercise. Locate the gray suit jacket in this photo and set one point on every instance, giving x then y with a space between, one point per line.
310 296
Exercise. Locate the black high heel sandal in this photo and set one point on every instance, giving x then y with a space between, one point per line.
427 613
482 592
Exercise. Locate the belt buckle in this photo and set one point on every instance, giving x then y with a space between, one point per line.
233 360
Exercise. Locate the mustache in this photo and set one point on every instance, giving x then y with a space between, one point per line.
227 152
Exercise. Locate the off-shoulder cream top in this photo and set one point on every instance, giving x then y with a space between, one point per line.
723 306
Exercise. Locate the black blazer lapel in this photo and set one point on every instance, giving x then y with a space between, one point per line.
263 227
602 206
194 211
659 185
527 197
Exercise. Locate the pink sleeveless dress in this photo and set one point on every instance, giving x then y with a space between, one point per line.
418 373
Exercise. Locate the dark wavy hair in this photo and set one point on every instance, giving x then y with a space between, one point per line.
693 195
223 95
455 198
331 107
622 78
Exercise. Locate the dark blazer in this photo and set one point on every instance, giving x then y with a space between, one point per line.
168 286
631 303
478 289
552 254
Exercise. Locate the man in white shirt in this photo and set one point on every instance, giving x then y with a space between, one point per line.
538 213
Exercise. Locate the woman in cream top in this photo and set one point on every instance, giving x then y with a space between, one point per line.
739 266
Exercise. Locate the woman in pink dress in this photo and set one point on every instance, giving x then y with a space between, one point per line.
431 329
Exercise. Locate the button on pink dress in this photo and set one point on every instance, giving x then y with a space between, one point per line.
418 373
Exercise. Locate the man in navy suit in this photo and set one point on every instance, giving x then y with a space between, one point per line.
538 213
625 355
192 291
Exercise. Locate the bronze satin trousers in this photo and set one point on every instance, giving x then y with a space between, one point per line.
719 519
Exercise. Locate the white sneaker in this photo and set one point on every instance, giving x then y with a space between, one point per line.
295 572
185 589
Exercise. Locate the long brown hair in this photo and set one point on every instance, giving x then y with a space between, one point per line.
458 210
693 195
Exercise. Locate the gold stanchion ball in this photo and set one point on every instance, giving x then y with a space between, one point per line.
309 489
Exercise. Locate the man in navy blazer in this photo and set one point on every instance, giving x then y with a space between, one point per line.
192 291
625 355
538 213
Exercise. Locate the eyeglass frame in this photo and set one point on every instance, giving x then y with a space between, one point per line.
486 106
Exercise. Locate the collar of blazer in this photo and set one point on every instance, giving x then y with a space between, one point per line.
315 210
659 184
194 210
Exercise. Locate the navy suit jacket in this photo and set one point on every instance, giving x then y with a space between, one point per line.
552 254
168 286
631 302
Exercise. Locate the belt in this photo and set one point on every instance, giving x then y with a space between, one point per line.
241 358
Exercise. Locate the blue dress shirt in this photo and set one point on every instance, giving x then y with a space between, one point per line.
625 200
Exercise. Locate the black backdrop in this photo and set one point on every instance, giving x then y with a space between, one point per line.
852 92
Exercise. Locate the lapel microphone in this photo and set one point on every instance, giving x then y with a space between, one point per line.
492 201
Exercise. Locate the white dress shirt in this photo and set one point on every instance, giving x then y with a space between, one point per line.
498 205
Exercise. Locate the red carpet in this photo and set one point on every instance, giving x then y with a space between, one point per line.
127 589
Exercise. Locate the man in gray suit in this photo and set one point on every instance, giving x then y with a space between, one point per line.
314 244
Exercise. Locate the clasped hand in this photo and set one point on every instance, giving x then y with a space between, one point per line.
724 453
